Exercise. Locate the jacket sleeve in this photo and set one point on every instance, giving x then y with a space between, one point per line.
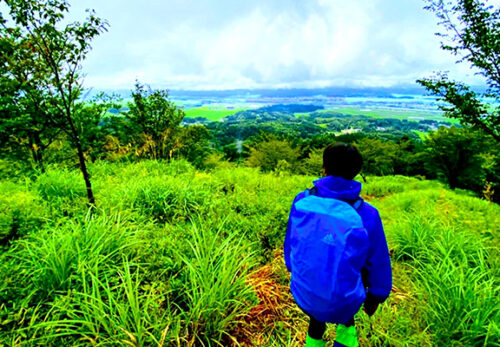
377 271
286 246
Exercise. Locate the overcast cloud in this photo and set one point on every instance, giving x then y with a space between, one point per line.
227 44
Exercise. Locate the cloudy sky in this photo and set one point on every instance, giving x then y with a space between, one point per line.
228 44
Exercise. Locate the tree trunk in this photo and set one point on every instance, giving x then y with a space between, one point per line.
39 152
83 169
36 151
453 181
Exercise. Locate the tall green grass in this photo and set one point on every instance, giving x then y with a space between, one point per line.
217 296
109 310
166 257
454 263
21 211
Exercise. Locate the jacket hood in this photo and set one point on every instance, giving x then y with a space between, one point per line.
337 188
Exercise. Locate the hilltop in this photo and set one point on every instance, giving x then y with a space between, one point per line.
176 256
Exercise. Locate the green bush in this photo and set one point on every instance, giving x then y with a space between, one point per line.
65 192
21 212
53 259
383 186
217 294
109 310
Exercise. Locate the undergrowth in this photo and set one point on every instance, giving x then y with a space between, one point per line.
172 256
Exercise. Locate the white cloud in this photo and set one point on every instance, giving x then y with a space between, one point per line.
219 45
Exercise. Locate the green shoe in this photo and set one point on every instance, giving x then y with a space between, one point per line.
310 342
347 336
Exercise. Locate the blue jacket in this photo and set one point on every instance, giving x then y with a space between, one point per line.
377 274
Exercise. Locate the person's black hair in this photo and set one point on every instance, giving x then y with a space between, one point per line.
342 160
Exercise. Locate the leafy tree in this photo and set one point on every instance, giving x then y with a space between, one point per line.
491 170
314 163
272 153
455 156
58 50
410 157
25 124
194 144
472 33
232 151
94 124
215 161
153 122
378 155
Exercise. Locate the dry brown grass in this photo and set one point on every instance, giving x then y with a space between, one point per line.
275 310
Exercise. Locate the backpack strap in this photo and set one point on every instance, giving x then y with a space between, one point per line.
356 204
311 191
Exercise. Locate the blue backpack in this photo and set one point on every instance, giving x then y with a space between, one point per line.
328 248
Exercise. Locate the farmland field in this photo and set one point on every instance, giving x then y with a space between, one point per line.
173 256
212 113
392 112
410 107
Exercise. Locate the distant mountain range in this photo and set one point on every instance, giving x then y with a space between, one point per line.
293 92
385 92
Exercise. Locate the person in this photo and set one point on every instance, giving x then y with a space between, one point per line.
347 281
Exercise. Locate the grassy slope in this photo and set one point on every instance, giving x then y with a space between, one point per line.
177 257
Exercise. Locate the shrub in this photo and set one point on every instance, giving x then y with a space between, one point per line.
110 311
53 259
64 190
21 212
217 294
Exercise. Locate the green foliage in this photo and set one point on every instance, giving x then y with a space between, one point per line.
378 155
215 284
21 212
471 32
194 144
60 184
383 186
57 257
214 161
271 154
167 200
107 311
13 169
52 51
454 155
453 261
153 122
92 120
26 129
313 165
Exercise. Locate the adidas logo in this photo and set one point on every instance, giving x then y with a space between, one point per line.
328 239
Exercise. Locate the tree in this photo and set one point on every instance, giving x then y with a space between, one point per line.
273 153
314 163
378 156
24 111
410 157
153 122
58 50
455 156
94 124
194 144
472 33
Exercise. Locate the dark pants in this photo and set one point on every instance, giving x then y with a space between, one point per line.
317 328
